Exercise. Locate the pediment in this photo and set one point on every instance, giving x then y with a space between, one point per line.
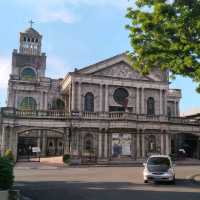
120 70
120 67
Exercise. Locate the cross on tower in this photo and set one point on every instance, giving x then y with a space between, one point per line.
31 23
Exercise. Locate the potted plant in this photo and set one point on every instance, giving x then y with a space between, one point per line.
66 158
6 177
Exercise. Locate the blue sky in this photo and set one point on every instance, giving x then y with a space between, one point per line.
75 33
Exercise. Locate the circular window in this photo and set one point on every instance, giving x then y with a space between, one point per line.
120 95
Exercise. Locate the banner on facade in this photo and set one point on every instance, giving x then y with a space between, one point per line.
121 144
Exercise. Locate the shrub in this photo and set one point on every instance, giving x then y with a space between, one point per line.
9 155
6 173
66 158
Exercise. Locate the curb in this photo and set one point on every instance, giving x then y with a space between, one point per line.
193 178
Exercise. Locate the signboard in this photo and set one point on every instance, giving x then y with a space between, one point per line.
121 144
36 149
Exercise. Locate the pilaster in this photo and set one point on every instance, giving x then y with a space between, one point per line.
138 144
100 145
162 143
137 100
142 101
143 145
3 140
100 98
106 99
79 97
73 97
161 102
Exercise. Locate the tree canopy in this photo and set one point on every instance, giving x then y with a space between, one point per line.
166 34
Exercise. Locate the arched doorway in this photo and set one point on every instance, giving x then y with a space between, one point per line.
186 145
50 143
89 151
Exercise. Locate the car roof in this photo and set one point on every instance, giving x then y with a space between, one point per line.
160 156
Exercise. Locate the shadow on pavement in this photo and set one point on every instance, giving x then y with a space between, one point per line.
62 190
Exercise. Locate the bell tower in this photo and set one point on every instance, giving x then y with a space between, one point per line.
29 60
30 41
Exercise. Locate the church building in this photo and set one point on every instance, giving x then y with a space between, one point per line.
104 113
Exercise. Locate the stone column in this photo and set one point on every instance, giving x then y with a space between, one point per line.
10 145
165 102
70 98
142 101
175 109
100 99
15 144
162 143
100 145
110 146
143 146
161 102
73 97
79 97
41 101
105 145
137 100
132 146
168 144
138 144
45 101
39 138
3 140
44 143
106 99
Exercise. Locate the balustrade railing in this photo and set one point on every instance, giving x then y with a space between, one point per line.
57 114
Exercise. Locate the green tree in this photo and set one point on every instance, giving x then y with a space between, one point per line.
166 34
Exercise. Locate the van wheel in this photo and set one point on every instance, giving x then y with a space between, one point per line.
173 181
145 181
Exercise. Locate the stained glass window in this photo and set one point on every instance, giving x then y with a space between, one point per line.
28 74
89 102
28 103
150 106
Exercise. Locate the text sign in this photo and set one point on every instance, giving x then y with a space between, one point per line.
36 149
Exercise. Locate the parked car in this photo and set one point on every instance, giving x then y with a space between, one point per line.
159 168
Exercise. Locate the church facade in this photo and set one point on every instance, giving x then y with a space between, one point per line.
106 111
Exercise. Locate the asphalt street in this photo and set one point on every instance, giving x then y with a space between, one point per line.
41 182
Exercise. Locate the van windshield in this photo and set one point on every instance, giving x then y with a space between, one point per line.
158 164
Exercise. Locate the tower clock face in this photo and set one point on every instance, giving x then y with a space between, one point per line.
120 95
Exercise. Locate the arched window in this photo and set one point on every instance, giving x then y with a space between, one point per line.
89 102
88 143
28 103
150 106
58 104
169 112
28 74
152 143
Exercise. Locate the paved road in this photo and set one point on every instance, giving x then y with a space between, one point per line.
41 182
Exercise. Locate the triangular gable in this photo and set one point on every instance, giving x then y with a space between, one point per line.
120 66
121 70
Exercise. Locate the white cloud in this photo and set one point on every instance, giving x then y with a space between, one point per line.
190 111
47 15
5 70
114 3
59 10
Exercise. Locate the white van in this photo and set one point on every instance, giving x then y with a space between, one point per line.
159 168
